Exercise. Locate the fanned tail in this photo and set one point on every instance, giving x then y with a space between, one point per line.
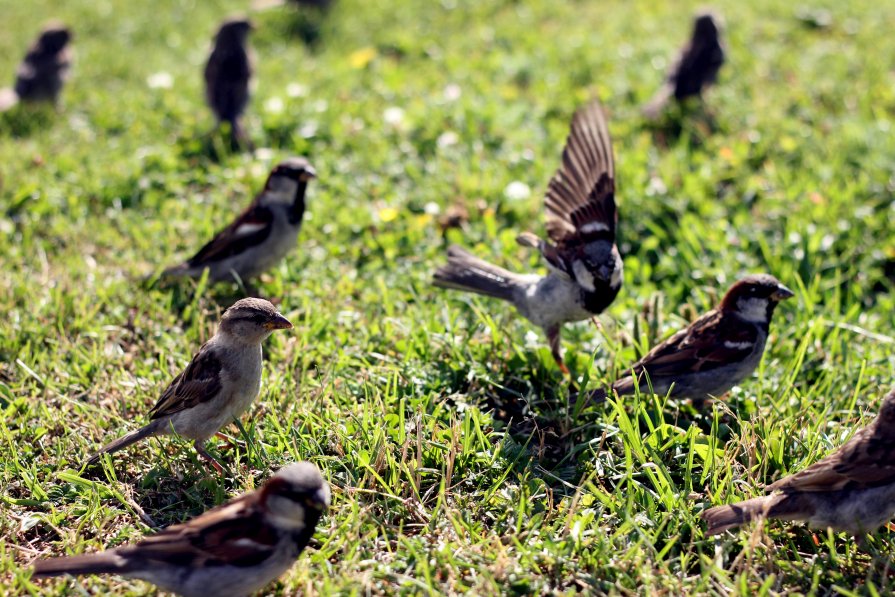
466 272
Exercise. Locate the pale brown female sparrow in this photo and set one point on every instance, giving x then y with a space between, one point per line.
235 549
218 385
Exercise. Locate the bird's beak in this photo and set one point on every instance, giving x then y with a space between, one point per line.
320 500
782 293
307 174
278 322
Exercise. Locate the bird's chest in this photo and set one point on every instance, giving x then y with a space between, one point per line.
244 384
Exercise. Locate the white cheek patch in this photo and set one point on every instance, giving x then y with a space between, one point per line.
249 228
583 276
753 309
615 280
594 227
738 345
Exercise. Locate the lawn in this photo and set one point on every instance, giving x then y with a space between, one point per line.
438 418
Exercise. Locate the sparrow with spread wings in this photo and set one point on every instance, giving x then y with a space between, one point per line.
235 549
217 386
584 265
262 235
696 67
852 489
715 352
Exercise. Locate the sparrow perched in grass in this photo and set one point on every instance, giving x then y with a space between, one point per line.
262 235
584 265
43 71
227 76
696 68
234 549
715 352
219 384
852 489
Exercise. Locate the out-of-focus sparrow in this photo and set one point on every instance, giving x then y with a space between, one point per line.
696 68
234 549
852 489
219 384
262 235
227 76
585 267
44 70
715 352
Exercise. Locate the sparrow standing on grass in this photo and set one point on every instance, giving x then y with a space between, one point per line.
715 352
217 386
234 549
696 68
227 76
262 235
585 267
851 490
43 71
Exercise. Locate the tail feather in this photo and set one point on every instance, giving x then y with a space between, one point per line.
124 441
107 562
466 272
722 518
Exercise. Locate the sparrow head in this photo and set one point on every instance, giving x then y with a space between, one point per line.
288 180
601 263
705 27
54 38
295 497
252 320
754 297
235 31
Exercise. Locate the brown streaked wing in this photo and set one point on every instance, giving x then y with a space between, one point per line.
198 383
583 188
866 460
251 228
702 346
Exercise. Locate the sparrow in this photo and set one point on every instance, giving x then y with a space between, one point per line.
262 235
217 386
583 261
852 489
44 69
715 352
234 549
227 75
696 68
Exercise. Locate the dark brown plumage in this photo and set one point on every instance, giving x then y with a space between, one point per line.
43 71
695 69
715 352
227 76
852 489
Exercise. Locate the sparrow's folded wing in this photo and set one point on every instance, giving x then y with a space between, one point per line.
250 229
866 460
233 535
199 382
712 341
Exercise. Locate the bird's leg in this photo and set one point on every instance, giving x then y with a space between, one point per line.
200 449
553 337
228 443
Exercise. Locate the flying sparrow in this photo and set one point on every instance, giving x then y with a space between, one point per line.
227 76
42 73
852 489
696 68
234 549
715 352
262 235
584 265
219 384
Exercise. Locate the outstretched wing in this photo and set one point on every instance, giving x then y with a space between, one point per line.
580 198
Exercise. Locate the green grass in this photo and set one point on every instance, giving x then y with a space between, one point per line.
436 416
